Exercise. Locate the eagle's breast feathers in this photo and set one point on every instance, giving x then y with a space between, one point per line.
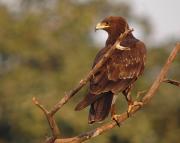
122 68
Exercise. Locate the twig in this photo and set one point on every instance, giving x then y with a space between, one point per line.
140 94
52 123
174 82
123 116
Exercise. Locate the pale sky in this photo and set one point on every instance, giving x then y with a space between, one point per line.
163 14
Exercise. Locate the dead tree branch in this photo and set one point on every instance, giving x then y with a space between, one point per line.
52 123
149 95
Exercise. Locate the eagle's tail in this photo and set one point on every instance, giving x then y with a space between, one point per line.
100 106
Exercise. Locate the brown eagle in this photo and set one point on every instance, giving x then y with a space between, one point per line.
118 74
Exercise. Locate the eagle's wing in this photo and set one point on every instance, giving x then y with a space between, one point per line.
123 68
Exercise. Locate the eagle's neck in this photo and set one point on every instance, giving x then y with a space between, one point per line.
112 37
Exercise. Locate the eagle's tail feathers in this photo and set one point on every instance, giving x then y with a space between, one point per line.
100 109
89 99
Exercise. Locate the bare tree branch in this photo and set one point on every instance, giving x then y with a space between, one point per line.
52 123
121 118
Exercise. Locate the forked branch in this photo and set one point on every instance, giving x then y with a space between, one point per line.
52 123
149 95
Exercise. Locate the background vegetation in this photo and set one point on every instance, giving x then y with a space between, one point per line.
47 47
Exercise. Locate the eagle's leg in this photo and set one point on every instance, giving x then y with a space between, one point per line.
113 110
131 103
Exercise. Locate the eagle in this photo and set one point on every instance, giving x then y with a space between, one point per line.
118 74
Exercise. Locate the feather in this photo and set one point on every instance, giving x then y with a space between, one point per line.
100 109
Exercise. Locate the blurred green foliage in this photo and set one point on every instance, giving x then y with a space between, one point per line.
47 47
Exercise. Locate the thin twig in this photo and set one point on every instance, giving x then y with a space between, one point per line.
174 82
52 123
140 94
123 116
36 102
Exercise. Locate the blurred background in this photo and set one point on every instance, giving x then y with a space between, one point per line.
46 47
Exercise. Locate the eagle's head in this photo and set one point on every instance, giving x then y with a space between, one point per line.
114 26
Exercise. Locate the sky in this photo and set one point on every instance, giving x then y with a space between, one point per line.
163 14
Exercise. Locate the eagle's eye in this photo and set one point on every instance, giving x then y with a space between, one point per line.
107 23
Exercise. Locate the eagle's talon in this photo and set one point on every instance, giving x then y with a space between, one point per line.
115 118
128 114
132 105
138 103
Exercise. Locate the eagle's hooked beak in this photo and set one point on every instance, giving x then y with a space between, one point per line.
101 25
